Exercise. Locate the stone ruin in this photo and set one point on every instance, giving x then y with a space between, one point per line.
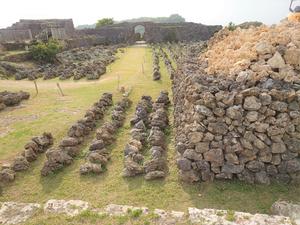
148 128
244 124
154 32
156 75
27 30
32 149
98 155
78 63
8 99
69 147
167 62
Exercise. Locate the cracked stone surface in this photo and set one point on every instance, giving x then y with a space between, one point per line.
168 218
71 207
15 213
224 217
122 210
283 208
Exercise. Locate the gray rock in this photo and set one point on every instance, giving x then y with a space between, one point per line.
252 103
70 208
16 213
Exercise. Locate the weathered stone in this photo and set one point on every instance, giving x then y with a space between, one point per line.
70 208
202 147
255 166
184 164
287 209
7 175
155 175
231 168
215 156
20 164
278 147
262 178
252 103
276 62
218 128
16 213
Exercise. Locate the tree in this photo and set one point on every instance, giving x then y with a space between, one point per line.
45 51
231 26
104 22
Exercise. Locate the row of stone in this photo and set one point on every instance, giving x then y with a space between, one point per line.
225 130
156 68
156 166
133 152
32 149
8 99
98 155
167 62
78 63
285 213
69 147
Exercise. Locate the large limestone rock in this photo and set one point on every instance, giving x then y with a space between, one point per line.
16 213
70 208
224 217
287 209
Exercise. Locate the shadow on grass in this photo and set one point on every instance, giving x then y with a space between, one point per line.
239 196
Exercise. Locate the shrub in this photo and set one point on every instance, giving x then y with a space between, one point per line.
231 26
45 51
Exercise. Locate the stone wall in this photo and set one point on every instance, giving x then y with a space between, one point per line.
154 32
227 129
26 30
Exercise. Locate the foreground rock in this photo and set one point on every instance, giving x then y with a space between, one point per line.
224 217
70 208
287 209
16 213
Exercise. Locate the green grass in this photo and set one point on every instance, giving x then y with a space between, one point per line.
50 112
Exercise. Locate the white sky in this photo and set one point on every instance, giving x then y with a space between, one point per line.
88 11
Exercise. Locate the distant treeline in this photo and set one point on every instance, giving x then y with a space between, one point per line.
174 18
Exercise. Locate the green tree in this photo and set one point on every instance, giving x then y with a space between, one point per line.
45 51
104 22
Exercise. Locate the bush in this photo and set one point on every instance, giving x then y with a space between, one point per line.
231 26
45 51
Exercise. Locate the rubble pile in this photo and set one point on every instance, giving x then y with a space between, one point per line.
156 73
32 149
156 166
133 163
237 111
255 53
98 155
8 99
69 147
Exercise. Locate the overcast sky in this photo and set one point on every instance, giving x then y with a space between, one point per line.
88 11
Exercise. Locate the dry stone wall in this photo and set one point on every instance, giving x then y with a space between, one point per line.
230 128
156 166
8 99
98 155
69 147
32 149
156 68
134 149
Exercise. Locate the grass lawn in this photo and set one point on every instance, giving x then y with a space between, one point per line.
48 111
